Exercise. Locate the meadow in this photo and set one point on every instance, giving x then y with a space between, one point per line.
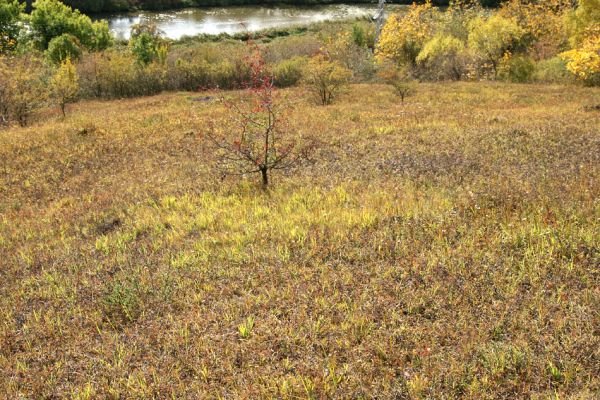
445 247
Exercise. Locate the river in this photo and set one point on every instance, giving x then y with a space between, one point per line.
176 24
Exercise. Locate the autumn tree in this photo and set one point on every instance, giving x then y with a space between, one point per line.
403 35
257 139
542 22
64 85
583 60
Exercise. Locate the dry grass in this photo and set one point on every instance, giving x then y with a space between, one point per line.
444 248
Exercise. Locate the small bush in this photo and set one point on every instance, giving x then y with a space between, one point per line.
23 88
290 47
342 49
116 74
325 78
516 69
190 75
363 36
121 302
289 72
64 85
399 78
147 45
553 70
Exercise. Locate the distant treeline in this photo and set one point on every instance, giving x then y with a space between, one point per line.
99 6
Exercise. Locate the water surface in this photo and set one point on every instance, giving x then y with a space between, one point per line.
193 21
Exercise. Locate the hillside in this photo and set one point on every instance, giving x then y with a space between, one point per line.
445 245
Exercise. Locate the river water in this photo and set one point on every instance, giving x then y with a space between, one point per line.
193 21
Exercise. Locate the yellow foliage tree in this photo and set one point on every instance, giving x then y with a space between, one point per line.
403 36
65 84
583 24
584 61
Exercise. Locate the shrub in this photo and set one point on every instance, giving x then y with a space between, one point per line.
65 46
363 36
455 21
190 75
115 74
147 45
289 72
325 78
443 57
151 79
64 85
553 70
490 38
121 303
22 88
399 78
517 68
292 46
359 60
208 65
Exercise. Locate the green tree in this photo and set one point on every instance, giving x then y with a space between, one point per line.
62 47
147 44
583 21
10 18
64 85
51 18
490 38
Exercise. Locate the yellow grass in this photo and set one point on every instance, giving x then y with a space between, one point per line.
446 247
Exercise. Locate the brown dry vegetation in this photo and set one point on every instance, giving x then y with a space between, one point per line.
446 247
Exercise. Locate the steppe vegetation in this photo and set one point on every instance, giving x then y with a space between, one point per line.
441 240
445 246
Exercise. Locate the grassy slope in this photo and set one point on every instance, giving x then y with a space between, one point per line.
446 245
